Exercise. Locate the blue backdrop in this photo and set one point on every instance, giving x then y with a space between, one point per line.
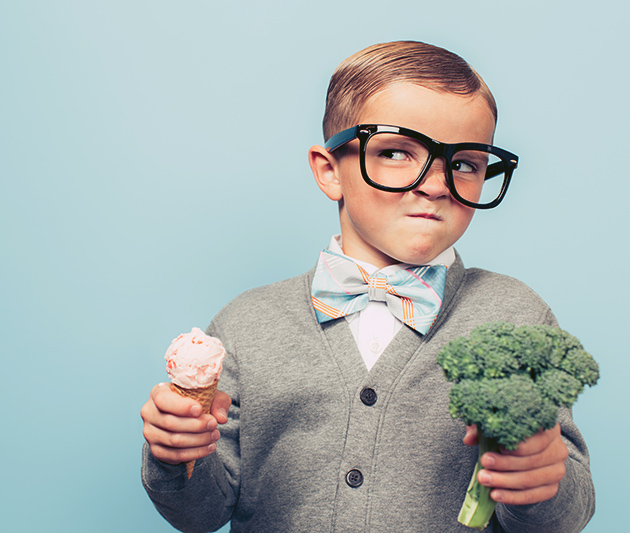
153 154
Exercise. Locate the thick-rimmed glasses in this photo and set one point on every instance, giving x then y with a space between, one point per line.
395 159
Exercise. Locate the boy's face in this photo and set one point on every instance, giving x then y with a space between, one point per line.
385 228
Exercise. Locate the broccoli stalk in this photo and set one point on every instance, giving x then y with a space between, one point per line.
510 381
478 507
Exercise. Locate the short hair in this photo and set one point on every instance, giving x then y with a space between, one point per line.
371 70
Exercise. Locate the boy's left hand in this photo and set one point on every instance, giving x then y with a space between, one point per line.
529 474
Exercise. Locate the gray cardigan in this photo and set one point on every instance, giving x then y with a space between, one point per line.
303 452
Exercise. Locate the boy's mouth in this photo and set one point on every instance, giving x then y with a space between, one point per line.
428 216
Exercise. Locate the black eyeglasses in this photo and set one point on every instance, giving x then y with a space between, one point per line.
395 159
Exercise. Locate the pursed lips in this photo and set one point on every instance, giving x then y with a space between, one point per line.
427 216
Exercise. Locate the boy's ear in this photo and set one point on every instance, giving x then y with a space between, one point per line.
325 169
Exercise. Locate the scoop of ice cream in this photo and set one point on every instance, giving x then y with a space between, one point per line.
194 360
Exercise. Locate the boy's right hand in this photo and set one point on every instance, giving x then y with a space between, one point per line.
175 428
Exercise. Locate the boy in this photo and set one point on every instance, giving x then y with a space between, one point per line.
338 419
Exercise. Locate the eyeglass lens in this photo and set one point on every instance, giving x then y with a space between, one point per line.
395 160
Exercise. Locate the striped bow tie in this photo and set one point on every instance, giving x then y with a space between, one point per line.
341 287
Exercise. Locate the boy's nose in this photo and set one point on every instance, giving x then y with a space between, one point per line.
433 185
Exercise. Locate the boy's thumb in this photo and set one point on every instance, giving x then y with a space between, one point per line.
470 439
220 406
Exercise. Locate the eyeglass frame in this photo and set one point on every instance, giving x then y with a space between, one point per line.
437 149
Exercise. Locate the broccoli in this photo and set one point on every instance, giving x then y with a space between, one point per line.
510 381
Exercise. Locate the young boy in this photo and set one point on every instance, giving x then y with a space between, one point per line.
338 414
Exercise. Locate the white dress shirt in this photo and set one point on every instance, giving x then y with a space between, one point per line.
374 327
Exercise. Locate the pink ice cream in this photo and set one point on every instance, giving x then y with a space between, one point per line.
194 360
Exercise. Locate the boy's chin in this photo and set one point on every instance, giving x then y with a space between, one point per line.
420 259
381 253
415 257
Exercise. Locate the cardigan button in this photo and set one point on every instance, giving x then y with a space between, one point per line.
354 478
368 396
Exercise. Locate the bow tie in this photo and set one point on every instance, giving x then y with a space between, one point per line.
341 287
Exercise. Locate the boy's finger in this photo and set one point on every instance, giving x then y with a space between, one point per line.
176 456
170 402
526 480
556 452
524 497
183 424
536 443
168 439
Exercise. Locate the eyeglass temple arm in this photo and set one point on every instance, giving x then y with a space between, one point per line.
495 169
341 138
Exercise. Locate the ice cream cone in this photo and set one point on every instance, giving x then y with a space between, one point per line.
203 395
194 363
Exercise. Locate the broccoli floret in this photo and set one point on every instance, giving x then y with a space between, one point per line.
510 381
507 410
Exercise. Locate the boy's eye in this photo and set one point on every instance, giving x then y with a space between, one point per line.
394 154
464 166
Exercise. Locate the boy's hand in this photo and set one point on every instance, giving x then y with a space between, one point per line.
175 429
529 474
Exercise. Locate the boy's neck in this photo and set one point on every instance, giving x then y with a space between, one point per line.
447 257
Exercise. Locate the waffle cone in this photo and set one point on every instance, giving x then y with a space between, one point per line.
204 396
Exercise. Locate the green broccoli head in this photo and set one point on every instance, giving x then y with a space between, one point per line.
510 380
506 409
559 387
489 352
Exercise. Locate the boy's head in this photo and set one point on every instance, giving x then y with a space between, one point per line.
371 70
409 129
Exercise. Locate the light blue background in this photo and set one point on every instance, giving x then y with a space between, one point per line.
153 156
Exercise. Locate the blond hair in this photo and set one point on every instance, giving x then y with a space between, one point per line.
371 70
